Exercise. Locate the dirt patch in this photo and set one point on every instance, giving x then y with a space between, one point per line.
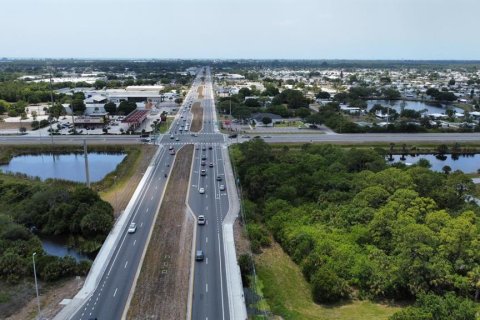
50 297
197 111
200 92
162 287
242 245
14 125
119 195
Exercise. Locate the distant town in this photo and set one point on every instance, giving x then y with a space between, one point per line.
91 98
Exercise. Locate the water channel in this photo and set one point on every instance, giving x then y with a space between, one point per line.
413 105
465 163
55 247
64 166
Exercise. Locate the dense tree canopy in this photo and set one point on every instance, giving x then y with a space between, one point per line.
358 227
76 213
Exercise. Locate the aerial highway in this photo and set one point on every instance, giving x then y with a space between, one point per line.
210 297
108 300
208 196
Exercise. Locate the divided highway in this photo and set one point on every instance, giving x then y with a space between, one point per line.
210 297
109 299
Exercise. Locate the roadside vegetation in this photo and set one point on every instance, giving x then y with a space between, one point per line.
31 209
359 229
287 293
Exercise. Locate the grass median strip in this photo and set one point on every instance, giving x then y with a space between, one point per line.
197 111
162 286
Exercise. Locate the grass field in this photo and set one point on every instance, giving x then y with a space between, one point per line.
165 125
286 124
288 294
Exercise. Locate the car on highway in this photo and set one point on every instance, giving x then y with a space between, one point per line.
204 157
204 148
267 136
170 148
211 165
222 187
201 190
219 178
203 172
246 136
177 138
199 256
203 163
201 219
172 152
132 228
171 136
209 147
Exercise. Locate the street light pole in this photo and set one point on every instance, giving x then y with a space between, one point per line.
36 284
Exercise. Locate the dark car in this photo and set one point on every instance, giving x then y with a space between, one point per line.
199 256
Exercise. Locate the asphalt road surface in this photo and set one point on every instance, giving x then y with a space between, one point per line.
272 138
109 299
210 297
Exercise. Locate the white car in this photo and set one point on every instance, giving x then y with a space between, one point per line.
201 190
132 228
201 219
222 187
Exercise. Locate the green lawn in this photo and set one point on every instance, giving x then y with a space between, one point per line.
288 294
164 126
286 124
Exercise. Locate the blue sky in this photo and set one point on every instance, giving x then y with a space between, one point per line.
263 29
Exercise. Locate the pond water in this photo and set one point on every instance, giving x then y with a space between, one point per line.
64 166
413 105
467 163
55 247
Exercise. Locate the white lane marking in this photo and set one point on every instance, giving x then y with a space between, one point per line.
135 241
206 240
115 292
141 224
206 261
221 278
125 265
151 198
206 288
147 209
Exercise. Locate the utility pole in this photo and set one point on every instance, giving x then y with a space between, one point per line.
36 285
49 115
87 174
